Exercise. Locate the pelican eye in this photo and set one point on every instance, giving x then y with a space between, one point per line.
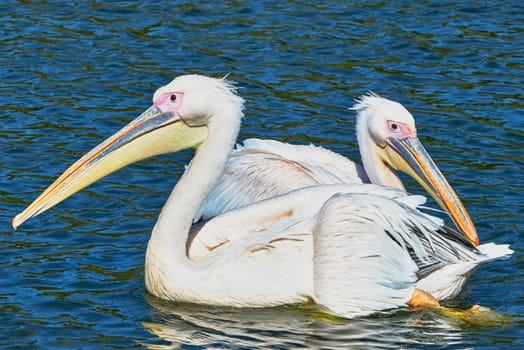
172 98
394 126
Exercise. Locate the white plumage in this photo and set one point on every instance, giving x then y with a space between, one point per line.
260 169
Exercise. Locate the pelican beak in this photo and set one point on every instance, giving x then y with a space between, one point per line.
408 155
154 132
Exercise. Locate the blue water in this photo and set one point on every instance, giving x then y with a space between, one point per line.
72 73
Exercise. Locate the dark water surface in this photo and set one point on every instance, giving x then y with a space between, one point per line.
72 73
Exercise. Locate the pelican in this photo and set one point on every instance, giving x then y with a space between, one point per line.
387 138
353 249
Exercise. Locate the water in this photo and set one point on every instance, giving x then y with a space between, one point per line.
73 73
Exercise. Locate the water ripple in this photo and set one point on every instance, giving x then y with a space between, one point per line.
74 72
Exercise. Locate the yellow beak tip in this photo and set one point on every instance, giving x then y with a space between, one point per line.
16 221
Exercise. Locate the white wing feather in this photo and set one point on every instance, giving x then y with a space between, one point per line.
357 269
356 249
261 169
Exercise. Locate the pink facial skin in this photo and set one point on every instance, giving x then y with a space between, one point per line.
400 131
169 102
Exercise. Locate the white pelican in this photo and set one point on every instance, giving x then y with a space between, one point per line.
354 249
387 138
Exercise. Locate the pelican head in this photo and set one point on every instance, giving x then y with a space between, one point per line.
388 141
178 119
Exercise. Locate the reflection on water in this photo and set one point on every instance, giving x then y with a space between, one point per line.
75 72
293 327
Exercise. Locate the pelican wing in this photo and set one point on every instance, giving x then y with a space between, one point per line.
256 224
278 212
361 263
372 251
365 247
261 169
256 219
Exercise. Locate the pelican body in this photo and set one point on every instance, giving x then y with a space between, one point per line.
355 249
